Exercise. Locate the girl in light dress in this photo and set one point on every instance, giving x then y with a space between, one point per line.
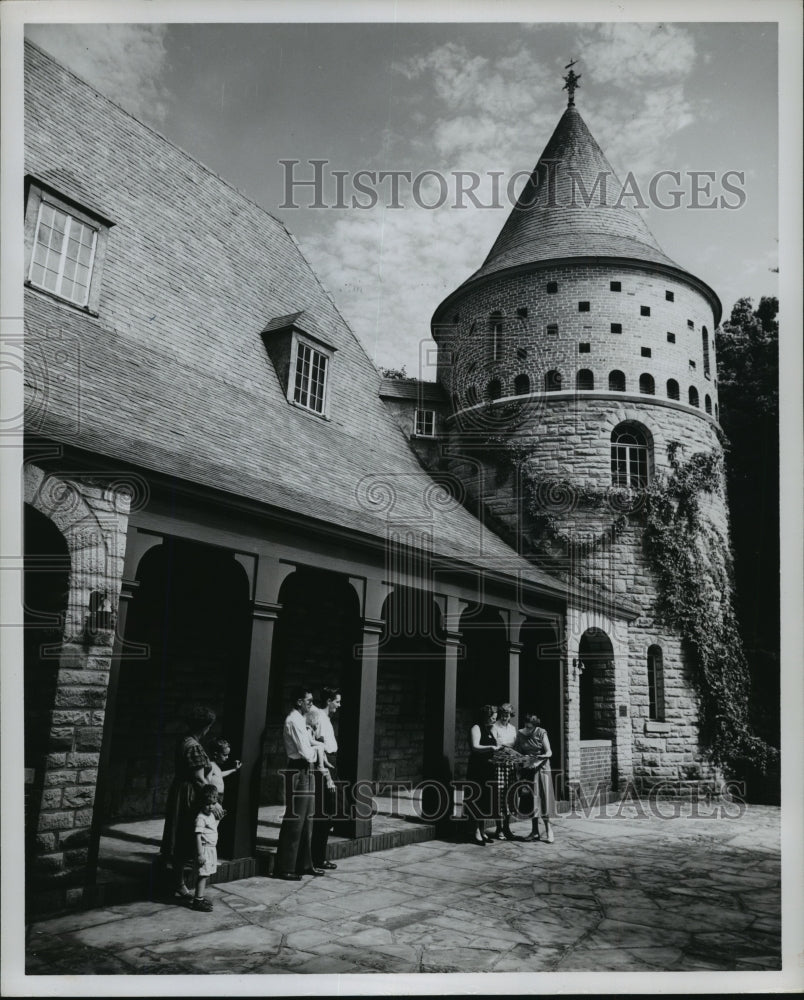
505 734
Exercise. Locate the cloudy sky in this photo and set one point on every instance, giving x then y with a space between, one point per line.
447 97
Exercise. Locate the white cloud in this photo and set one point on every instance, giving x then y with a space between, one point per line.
126 62
637 54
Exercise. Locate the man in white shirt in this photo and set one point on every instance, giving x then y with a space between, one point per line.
293 857
325 797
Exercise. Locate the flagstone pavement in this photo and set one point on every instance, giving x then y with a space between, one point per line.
620 893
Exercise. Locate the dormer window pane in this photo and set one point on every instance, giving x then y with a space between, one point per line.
63 254
311 376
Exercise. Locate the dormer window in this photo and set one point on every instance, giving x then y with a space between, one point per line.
302 360
310 385
425 423
65 245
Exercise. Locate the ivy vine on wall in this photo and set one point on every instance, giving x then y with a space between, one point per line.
693 566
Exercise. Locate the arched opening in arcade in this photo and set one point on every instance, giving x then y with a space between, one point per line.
186 642
541 686
315 641
483 673
410 690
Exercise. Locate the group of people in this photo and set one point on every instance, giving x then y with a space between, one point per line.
195 800
195 807
504 760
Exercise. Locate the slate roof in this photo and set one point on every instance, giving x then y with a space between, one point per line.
551 222
412 388
173 376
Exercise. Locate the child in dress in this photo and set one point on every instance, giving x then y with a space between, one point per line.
206 839
219 753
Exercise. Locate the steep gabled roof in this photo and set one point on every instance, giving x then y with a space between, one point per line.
172 375
571 207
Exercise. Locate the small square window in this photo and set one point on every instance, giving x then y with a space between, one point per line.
671 338
670 296
645 352
552 287
615 286
690 325
692 364
552 329
584 348
425 423
583 307
616 328
522 312
644 310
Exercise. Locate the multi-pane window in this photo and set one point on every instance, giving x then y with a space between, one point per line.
425 423
311 378
705 348
63 254
496 337
629 457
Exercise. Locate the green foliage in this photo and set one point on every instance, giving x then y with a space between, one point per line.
692 563
394 373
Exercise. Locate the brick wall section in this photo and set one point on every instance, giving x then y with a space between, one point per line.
469 341
93 520
595 765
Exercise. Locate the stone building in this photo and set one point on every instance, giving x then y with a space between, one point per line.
223 498
585 355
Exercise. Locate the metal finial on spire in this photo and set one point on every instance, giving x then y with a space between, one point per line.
571 83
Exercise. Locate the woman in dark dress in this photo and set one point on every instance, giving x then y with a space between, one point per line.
482 771
178 838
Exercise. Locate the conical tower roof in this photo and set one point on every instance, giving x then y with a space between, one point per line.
573 207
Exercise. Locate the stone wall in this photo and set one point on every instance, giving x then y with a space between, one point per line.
93 520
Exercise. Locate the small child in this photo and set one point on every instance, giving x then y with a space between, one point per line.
219 752
206 839
316 739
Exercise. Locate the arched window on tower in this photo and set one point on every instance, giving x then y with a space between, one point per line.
552 381
655 684
630 455
693 396
494 389
617 381
646 384
672 389
585 380
496 335
708 404
521 385
705 346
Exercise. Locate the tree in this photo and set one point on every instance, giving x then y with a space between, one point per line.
748 373
395 373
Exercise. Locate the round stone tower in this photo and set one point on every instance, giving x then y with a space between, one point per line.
584 358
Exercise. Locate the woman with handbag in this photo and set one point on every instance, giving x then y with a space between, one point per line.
532 742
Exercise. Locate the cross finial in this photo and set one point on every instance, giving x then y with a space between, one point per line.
571 83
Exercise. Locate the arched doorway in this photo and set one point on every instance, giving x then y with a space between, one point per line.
410 689
191 613
314 643
541 685
46 581
597 707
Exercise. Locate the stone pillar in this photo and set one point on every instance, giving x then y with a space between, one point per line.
513 624
93 520
266 579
